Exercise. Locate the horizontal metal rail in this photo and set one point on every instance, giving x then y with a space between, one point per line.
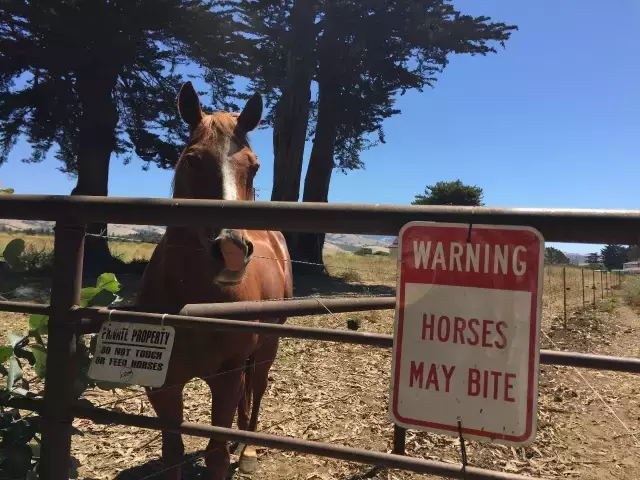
92 318
24 307
275 308
322 449
557 225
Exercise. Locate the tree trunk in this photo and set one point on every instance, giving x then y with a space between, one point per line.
96 142
292 110
318 177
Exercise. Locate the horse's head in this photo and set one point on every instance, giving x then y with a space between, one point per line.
218 164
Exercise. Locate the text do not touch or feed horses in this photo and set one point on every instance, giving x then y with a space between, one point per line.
132 353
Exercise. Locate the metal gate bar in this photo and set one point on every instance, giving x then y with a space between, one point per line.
92 318
323 449
556 225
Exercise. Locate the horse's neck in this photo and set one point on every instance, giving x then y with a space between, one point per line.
185 237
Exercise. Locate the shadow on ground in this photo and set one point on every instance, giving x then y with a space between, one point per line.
193 468
307 284
36 288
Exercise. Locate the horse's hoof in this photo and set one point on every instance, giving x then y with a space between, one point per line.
248 463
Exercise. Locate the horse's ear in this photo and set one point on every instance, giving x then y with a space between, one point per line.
251 114
189 105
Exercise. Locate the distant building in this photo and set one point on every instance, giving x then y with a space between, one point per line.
631 268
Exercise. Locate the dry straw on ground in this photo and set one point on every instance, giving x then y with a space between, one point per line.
339 393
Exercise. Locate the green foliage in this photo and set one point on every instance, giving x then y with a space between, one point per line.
593 258
367 53
553 256
363 251
80 61
450 193
19 455
12 253
23 258
633 253
613 256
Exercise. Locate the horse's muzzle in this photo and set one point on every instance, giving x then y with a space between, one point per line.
234 250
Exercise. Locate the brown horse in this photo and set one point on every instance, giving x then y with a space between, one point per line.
214 264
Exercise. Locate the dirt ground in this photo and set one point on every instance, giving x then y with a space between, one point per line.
339 393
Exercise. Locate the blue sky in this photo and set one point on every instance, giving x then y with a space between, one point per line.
551 121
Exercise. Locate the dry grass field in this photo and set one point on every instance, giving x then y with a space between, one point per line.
126 251
339 393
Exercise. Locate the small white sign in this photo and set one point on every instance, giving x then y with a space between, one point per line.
132 353
466 340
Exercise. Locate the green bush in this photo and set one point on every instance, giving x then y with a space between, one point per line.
19 444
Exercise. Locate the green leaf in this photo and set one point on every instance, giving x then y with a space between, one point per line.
21 392
15 372
35 449
6 419
15 338
5 353
19 343
108 281
39 323
40 355
18 461
6 191
102 299
86 294
19 433
12 252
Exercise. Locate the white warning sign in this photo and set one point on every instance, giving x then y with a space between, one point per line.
132 353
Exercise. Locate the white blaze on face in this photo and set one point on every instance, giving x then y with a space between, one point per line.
229 185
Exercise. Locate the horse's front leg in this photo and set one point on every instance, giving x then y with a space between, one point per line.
167 403
226 390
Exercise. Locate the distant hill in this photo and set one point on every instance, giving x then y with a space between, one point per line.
338 241
334 241
114 229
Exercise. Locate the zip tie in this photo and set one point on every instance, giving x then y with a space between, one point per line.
109 317
162 320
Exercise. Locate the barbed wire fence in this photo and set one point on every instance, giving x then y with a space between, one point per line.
582 290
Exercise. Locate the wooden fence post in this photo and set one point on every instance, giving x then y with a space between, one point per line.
564 295
399 440
57 415
601 286
593 287
583 299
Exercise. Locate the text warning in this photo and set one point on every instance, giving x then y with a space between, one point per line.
132 353
466 343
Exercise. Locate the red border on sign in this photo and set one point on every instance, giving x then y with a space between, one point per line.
530 283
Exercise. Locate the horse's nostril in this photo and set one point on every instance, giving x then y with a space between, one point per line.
249 244
215 250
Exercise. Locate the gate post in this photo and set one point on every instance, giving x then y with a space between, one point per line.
399 439
57 417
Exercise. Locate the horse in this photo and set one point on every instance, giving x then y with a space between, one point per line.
211 264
